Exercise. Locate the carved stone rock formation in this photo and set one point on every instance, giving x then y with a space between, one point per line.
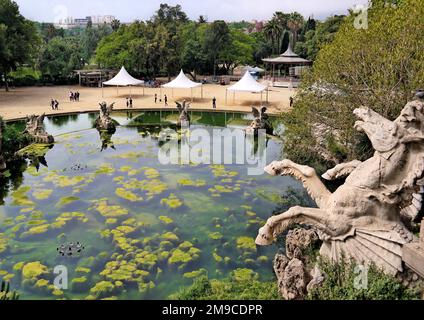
104 121
261 122
290 269
184 119
35 130
362 218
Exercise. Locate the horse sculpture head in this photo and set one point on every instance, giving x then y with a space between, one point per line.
385 134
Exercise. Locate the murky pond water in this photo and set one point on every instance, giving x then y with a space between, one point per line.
147 228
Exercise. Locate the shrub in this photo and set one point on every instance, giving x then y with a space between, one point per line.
339 284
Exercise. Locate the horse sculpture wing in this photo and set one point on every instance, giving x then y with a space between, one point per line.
256 112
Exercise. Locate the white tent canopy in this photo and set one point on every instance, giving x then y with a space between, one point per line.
123 78
182 82
247 84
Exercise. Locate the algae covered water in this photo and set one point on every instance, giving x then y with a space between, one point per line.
147 229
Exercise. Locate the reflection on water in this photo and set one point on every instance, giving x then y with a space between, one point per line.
147 228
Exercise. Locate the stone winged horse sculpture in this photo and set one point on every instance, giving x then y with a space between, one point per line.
184 118
362 218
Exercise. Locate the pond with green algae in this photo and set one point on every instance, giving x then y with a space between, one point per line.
147 229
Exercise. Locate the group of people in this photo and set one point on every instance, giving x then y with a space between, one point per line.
54 104
74 96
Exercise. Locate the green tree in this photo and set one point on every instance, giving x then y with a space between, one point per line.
115 24
60 57
378 67
217 37
314 39
18 39
295 23
238 51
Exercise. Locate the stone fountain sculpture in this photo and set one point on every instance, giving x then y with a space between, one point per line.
184 119
35 130
104 121
362 218
261 122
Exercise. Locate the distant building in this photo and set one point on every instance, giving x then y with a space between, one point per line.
257 26
70 22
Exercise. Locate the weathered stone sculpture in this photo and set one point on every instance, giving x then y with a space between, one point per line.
362 218
104 121
184 119
261 122
35 130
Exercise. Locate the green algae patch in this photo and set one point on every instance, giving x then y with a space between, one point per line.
102 288
171 202
191 183
219 171
170 236
105 168
63 181
20 197
34 150
110 211
196 273
33 270
83 270
151 173
42 194
166 220
3 242
18 266
181 257
37 230
246 244
67 217
217 190
151 187
244 274
127 195
215 235
66 200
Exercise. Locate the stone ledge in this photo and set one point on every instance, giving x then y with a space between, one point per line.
413 256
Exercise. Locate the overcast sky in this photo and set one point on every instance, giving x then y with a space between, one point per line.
230 10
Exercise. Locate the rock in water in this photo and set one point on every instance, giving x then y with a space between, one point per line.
35 130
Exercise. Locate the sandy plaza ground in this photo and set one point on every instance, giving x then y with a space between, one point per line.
20 102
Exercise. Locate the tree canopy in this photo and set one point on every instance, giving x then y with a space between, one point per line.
18 38
379 67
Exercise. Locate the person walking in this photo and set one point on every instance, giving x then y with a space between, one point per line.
156 98
77 95
131 102
128 103
291 101
52 104
71 96
56 105
166 100
214 103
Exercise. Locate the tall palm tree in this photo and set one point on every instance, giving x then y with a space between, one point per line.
295 23
274 31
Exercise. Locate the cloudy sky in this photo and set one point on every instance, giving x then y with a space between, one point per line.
230 10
